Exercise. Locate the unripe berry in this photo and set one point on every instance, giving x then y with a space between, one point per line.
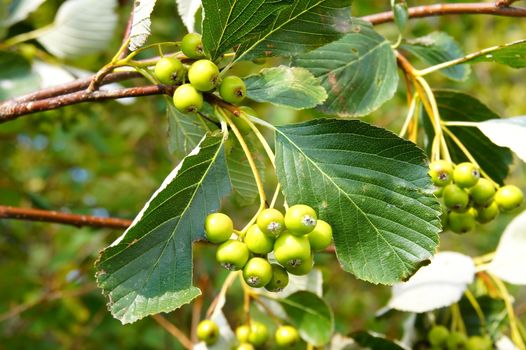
292 251
258 333
279 280
438 335
477 342
456 341
192 45
203 75
483 192
169 70
257 272
258 242
271 222
302 269
218 227
461 222
300 219
208 331
441 172
488 213
187 99
466 174
232 255
245 346
233 89
321 237
242 333
455 198
286 336
509 197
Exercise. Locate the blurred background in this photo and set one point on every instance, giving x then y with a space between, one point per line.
106 159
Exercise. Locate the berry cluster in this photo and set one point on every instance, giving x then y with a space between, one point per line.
250 336
468 198
292 237
202 74
439 337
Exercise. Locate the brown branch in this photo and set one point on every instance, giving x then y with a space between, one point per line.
12 109
61 218
173 330
475 8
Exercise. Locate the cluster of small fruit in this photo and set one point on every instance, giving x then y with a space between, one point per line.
292 237
203 76
468 198
441 338
250 336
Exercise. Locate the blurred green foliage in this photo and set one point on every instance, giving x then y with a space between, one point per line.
106 159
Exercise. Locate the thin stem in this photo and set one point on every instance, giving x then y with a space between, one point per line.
484 258
410 115
128 58
275 196
267 309
261 138
247 293
20 38
515 332
261 122
478 310
457 322
467 124
174 331
229 280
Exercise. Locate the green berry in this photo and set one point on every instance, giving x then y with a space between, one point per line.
257 272
461 222
258 333
291 251
466 174
482 192
233 89
187 99
286 336
169 70
441 172
321 237
218 227
232 255
456 341
258 242
279 280
208 331
438 335
444 218
438 191
192 46
242 333
455 198
271 222
203 75
245 346
488 213
302 269
300 219
479 343
509 197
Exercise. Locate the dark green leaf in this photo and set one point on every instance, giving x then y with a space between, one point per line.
371 186
305 26
401 15
228 23
511 54
374 341
437 48
311 315
243 183
185 130
456 106
494 312
18 79
358 71
149 268
285 86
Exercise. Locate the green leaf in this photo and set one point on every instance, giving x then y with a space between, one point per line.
511 54
285 86
305 26
437 48
81 27
228 23
243 183
374 341
371 186
149 268
456 106
494 311
18 78
358 71
311 315
507 132
140 28
185 130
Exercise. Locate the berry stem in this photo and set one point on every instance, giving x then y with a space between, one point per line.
410 115
229 280
275 196
270 154
478 310
457 322
267 309
468 124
